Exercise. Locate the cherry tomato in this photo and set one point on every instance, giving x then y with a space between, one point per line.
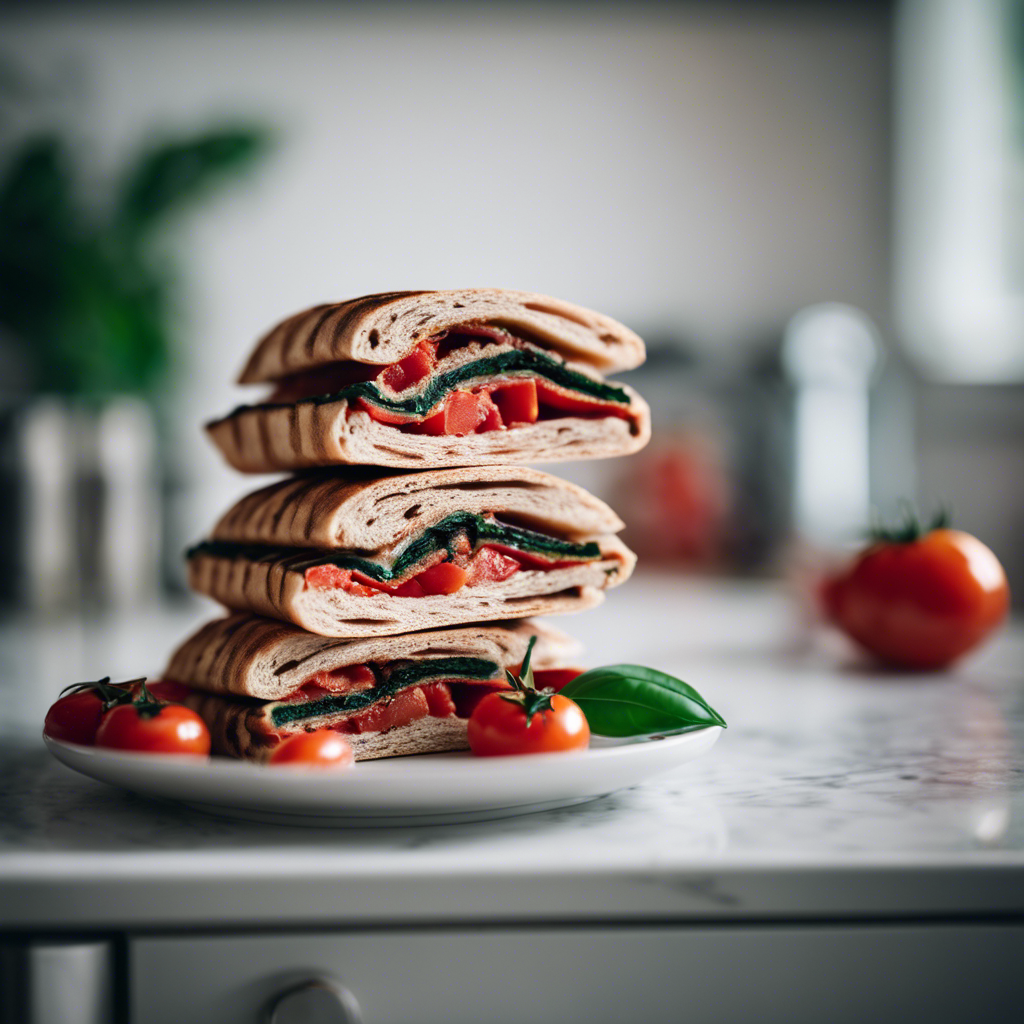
75 718
322 748
922 602
499 726
154 728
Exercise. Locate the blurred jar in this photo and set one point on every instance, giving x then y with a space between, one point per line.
709 492
80 524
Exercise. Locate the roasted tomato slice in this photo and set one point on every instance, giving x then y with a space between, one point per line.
411 370
443 578
490 565
331 577
439 700
552 397
492 415
339 680
410 588
404 707
393 419
462 413
517 402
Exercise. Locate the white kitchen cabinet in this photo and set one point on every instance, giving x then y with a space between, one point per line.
721 974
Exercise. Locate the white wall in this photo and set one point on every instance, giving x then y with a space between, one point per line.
706 172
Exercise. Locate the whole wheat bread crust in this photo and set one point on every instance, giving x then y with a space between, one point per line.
386 327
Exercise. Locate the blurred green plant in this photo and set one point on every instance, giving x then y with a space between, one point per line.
86 286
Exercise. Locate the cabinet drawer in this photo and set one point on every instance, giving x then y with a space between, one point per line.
717 974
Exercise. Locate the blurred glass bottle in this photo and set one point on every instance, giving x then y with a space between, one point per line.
81 509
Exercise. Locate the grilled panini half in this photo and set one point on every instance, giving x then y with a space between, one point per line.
438 378
255 682
372 555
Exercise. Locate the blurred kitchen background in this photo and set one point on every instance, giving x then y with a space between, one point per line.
813 212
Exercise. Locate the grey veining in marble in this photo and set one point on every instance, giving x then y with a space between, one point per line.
827 765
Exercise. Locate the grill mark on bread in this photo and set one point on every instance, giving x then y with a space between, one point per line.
294 328
326 311
290 499
346 330
357 307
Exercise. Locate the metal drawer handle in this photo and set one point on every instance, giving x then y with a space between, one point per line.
316 1001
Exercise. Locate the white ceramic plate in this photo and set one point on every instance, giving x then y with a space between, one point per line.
420 790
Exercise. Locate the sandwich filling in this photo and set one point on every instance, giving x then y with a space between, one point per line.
474 379
463 549
373 698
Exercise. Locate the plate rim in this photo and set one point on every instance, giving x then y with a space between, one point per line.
239 766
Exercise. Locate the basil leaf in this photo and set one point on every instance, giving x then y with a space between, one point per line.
631 700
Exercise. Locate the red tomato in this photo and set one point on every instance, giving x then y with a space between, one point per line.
490 565
322 748
555 678
172 729
492 415
499 726
169 691
920 603
75 718
332 577
517 402
381 415
462 413
575 403
411 370
410 588
443 578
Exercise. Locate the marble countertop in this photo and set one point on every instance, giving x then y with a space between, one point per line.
837 791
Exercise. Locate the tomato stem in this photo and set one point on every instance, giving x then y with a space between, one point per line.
531 701
110 693
526 692
146 705
910 528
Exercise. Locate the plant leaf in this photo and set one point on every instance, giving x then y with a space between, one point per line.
632 700
179 172
526 672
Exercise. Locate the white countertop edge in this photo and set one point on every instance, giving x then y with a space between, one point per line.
154 902
51 865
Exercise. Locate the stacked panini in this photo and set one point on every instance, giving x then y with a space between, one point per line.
386 586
